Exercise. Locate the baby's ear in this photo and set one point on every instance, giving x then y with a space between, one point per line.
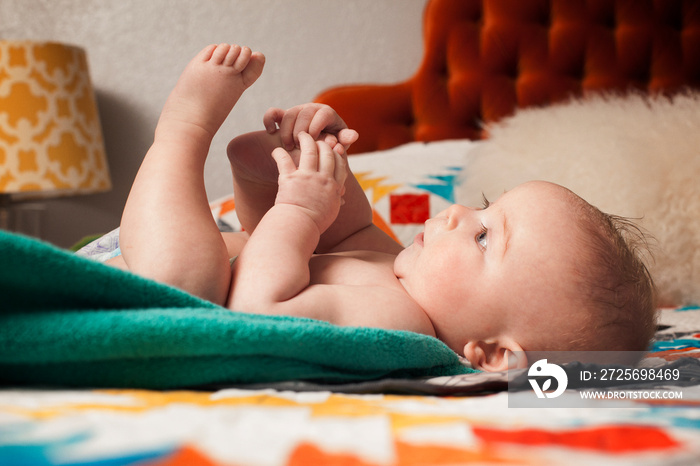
493 355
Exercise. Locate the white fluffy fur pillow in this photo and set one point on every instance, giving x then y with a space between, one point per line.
627 155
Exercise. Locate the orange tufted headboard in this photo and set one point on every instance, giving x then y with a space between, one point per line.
485 58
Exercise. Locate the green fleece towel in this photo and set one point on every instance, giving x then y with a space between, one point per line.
66 320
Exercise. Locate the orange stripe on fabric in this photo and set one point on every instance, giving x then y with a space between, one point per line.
306 454
185 456
381 223
406 455
611 439
227 206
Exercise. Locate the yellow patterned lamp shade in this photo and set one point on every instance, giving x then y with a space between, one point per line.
50 136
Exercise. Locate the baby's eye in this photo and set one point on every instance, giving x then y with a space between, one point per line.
482 238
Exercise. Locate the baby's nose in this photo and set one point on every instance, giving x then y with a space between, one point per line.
455 214
456 210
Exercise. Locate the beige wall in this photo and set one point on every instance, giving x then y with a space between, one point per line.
137 48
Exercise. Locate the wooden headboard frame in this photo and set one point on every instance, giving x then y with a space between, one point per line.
485 58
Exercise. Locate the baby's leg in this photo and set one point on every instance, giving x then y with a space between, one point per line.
167 230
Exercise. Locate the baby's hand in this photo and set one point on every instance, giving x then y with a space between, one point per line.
317 185
319 120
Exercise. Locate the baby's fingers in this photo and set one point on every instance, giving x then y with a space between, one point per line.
341 172
347 137
324 119
329 139
287 126
285 164
326 159
303 121
273 116
308 160
331 163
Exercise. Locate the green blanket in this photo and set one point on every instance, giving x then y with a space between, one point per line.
66 320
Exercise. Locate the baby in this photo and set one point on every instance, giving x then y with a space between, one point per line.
538 269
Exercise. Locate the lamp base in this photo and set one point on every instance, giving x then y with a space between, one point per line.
24 218
4 218
4 211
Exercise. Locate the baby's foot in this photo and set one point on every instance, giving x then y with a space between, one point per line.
249 155
207 90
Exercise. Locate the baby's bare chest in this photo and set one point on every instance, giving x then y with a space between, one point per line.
360 268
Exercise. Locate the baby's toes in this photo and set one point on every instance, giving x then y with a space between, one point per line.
242 59
220 53
253 69
206 53
232 55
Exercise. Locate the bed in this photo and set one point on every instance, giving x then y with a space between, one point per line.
507 84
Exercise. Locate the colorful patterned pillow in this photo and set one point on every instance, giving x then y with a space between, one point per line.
405 185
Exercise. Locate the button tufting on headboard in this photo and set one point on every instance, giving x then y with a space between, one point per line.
485 58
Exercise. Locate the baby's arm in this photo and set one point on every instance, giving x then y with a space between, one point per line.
273 267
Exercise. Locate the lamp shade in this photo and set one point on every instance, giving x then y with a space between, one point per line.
50 135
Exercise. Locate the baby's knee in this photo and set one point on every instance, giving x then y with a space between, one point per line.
213 287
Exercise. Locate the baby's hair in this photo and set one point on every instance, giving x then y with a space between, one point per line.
619 292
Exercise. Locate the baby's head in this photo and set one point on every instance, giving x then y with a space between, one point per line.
540 269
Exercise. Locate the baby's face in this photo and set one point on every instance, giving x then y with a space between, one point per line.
505 270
